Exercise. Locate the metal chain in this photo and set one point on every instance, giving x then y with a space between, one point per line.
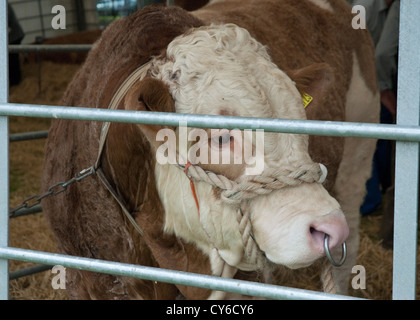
52 191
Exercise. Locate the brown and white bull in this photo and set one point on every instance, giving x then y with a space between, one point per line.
230 58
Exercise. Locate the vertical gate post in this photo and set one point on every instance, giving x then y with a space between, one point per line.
4 152
407 156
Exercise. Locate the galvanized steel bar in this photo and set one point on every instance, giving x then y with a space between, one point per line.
168 276
41 18
43 48
24 136
24 211
4 152
324 128
29 271
407 156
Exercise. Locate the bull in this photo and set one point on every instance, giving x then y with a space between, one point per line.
230 58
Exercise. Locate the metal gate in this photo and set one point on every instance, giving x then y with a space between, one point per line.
406 133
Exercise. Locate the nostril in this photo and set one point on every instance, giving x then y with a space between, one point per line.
317 238
336 228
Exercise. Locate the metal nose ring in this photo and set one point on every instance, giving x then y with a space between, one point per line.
329 256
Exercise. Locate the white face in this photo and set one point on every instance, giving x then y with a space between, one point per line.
222 70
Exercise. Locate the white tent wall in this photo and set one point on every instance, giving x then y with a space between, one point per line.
35 17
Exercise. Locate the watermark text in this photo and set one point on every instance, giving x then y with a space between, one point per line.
221 146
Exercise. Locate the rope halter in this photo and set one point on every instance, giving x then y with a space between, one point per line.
237 194
252 186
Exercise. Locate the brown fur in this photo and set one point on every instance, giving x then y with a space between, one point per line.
190 5
87 221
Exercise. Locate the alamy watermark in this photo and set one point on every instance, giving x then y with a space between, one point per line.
359 20
59 20
221 146
358 282
58 281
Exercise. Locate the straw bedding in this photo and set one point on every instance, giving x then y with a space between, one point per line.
31 232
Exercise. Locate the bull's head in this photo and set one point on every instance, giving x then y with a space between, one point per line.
222 70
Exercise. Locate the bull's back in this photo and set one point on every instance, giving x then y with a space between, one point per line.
300 33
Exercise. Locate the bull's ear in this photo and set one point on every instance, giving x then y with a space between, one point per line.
314 80
149 95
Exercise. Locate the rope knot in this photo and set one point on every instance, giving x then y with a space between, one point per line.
274 179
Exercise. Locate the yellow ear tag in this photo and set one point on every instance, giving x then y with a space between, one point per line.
307 99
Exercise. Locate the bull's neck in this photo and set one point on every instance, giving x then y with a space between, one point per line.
127 163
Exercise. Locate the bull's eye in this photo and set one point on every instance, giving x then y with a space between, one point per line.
222 139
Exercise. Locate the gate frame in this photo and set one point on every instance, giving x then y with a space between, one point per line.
406 133
407 156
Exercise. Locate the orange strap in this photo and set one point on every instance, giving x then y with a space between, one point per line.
192 186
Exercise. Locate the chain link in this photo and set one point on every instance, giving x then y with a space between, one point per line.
52 191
